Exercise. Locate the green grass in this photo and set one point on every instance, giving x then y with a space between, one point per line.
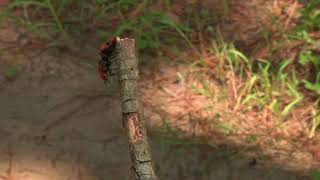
277 86
263 84
69 19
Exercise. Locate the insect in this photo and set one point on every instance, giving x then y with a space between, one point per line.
104 64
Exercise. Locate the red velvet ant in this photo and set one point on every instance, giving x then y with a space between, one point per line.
104 64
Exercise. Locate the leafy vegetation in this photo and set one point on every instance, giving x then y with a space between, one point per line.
68 19
276 86
309 55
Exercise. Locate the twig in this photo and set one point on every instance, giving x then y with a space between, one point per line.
133 120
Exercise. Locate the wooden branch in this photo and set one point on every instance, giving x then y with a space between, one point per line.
133 119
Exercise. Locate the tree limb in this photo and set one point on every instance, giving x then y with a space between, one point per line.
133 120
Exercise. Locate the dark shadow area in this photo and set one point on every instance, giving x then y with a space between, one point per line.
225 162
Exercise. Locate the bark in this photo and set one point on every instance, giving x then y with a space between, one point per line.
132 111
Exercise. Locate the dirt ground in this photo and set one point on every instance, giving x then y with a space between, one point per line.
58 122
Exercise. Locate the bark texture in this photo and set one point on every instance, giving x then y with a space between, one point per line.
132 111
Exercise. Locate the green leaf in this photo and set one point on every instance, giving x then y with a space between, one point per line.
249 98
289 107
274 106
305 57
312 86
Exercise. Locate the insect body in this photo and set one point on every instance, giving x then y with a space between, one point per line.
104 64
102 71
